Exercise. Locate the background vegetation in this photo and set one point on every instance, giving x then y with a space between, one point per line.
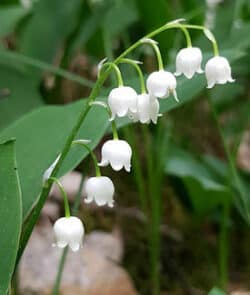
191 180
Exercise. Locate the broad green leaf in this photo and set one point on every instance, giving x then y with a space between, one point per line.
23 94
9 17
46 30
40 137
122 14
205 192
90 24
155 14
10 213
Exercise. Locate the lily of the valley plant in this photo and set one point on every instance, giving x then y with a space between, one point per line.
143 107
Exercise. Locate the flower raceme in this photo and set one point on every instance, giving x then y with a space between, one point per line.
101 190
121 100
161 84
218 71
69 231
188 62
117 153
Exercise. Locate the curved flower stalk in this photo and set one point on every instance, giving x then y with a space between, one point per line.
160 83
122 99
147 106
68 230
99 188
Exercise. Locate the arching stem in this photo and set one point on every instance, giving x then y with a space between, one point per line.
81 143
139 71
64 194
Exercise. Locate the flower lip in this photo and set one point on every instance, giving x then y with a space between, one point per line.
117 153
188 62
69 231
121 100
161 84
218 71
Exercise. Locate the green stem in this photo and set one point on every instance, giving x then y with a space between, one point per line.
117 71
107 109
223 247
232 167
223 239
64 194
46 67
208 34
97 168
187 35
139 71
114 130
154 235
65 251
137 168
29 224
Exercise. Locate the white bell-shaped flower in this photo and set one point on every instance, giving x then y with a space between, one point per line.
147 108
101 190
117 153
188 62
121 100
161 84
69 231
218 71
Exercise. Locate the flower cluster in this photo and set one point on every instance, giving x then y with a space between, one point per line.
124 101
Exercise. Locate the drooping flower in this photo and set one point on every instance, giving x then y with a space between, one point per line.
121 100
218 71
69 231
147 108
101 190
188 62
161 84
117 153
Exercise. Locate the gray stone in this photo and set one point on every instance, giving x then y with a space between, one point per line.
94 270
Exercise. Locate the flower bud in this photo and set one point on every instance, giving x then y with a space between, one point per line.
101 190
117 153
69 231
188 62
218 71
121 100
161 84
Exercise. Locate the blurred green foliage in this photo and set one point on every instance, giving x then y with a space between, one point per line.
75 35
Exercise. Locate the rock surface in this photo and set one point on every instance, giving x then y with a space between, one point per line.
94 270
70 182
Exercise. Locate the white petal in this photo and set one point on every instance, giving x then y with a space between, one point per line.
74 246
218 71
122 99
117 153
101 189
